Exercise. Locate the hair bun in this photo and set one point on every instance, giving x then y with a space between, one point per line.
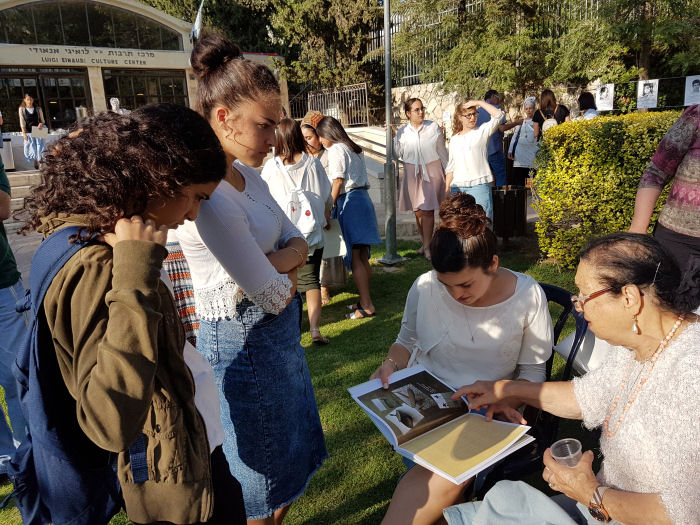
462 215
211 52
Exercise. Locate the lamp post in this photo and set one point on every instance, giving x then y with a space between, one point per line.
390 257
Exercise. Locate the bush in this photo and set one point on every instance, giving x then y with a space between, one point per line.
587 178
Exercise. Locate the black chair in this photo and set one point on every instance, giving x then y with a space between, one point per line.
545 426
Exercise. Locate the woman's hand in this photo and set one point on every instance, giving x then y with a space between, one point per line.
473 104
24 136
134 229
510 155
504 412
577 482
41 125
383 372
482 393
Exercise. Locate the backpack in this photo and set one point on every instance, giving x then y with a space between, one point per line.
60 476
551 121
299 208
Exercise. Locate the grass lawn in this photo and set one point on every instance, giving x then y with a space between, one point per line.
355 484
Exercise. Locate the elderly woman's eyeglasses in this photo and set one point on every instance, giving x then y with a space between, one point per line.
579 300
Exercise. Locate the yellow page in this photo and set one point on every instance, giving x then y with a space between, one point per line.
463 443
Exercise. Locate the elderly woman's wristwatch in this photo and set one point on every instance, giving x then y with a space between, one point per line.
595 507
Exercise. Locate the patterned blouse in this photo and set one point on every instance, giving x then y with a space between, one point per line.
678 158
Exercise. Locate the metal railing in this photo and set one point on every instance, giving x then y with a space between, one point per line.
348 104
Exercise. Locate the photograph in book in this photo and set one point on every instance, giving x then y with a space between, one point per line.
414 405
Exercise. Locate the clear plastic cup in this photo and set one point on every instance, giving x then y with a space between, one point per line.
566 451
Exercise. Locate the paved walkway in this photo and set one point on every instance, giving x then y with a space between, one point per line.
24 246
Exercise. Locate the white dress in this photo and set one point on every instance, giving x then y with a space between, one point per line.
461 344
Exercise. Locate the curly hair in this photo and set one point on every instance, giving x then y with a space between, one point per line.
464 237
111 166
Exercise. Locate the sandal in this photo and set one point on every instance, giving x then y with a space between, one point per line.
317 338
363 314
354 306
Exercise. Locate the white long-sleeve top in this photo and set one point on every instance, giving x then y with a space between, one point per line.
468 160
308 175
343 163
656 449
461 344
526 148
422 145
226 248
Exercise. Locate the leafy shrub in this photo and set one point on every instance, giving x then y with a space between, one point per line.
587 178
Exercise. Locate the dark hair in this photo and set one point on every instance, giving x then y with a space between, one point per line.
586 101
634 258
490 93
309 126
330 129
225 77
110 166
696 81
407 105
23 104
463 237
290 141
548 102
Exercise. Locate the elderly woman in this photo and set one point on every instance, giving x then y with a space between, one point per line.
644 397
523 147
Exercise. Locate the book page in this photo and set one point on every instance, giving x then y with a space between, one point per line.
413 404
464 443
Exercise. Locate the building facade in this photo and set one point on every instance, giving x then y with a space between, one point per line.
73 56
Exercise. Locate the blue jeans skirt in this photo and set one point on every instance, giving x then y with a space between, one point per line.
358 221
273 436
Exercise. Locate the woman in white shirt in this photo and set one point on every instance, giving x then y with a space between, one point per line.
421 145
468 168
292 170
468 318
243 253
523 145
353 208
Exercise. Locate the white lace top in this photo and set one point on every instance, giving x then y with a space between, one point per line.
657 447
226 248
461 344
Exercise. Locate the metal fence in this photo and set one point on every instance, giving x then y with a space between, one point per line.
348 104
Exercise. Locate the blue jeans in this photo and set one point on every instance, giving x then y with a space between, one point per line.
481 193
497 163
33 148
13 327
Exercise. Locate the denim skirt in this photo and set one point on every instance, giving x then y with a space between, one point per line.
273 436
358 221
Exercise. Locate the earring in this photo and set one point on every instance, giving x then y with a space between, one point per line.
635 327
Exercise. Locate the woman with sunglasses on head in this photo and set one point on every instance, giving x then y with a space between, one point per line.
468 167
420 144
353 208
466 319
244 253
643 397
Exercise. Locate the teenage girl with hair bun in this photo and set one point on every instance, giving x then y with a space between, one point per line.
243 254
467 319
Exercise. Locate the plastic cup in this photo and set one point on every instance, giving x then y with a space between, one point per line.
566 452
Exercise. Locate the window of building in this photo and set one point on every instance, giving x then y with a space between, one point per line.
137 87
84 23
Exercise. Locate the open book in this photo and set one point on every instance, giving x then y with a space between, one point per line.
419 418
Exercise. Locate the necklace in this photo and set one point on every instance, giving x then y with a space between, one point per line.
645 372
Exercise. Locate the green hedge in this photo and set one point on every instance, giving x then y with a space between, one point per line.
587 178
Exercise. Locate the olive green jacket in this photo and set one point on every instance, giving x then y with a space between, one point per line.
119 344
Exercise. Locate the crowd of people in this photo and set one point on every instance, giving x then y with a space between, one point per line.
153 214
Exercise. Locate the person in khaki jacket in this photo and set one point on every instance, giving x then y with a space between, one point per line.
119 344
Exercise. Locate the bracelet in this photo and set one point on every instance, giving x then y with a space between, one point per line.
396 366
301 259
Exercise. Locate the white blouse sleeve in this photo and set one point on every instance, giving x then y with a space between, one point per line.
398 144
490 127
450 168
337 163
595 391
440 146
537 342
407 335
233 245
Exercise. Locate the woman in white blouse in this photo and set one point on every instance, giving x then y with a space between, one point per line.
243 253
523 145
468 318
468 168
421 145
291 170
353 208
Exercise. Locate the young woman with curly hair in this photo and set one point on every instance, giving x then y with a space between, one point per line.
126 373
467 319
243 253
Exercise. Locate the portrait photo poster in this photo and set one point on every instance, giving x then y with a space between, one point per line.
692 90
647 93
605 97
